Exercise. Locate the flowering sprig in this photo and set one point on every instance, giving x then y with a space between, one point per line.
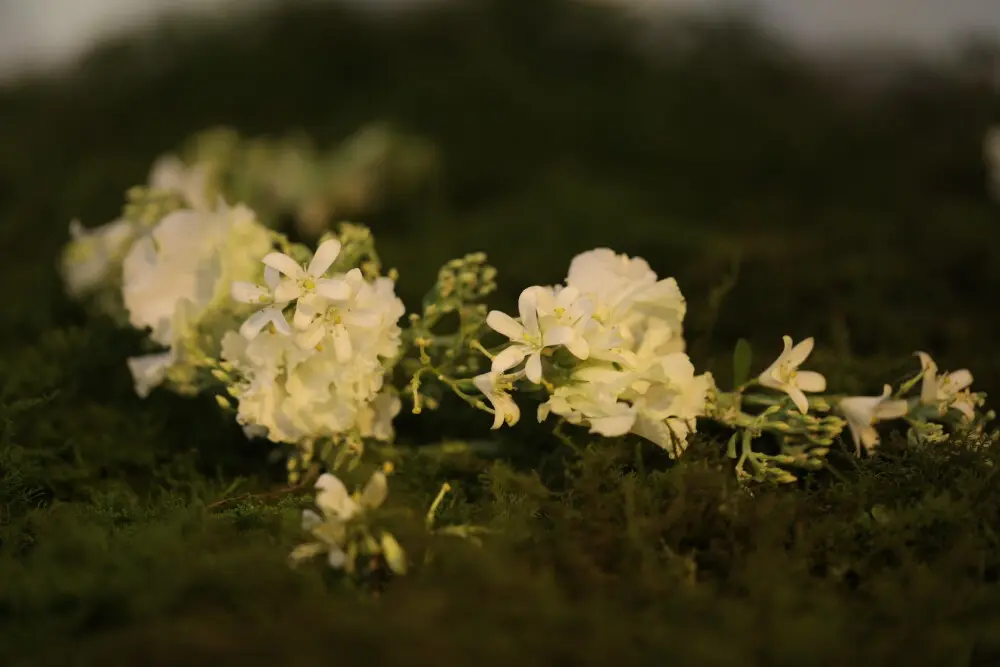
344 528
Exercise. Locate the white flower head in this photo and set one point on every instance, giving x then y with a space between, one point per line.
862 412
93 255
306 285
337 508
177 277
170 173
495 387
784 374
947 390
529 336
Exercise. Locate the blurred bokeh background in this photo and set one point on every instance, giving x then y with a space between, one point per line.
835 148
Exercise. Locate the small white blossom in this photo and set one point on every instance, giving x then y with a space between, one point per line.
177 276
93 255
528 337
170 173
784 374
495 387
305 285
337 508
862 412
947 390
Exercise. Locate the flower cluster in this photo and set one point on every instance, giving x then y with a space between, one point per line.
321 375
608 347
306 349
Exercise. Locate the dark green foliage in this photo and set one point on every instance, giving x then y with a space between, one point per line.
861 218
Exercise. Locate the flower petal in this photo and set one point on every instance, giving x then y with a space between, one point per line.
245 292
527 308
508 358
337 289
558 336
336 558
253 324
149 370
287 290
325 255
310 520
283 263
313 335
810 381
504 324
305 552
892 409
305 313
275 317
800 400
342 344
533 369
375 491
272 277
959 380
579 348
613 425
798 354
928 386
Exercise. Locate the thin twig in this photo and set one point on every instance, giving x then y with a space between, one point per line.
306 483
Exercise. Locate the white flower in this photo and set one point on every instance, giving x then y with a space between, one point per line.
92 255
170 173
528 337
149 371
338 508
566 306
494 386
862 412
327 379
247 292
306 285
784 374
625 291
948 390
179 273
339 317
375 420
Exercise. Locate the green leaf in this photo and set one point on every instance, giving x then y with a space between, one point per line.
742 358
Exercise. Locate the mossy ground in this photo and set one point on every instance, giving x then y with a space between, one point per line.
861 219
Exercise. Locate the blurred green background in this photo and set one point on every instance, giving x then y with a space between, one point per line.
860 214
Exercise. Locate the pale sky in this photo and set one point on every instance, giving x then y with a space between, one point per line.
40 32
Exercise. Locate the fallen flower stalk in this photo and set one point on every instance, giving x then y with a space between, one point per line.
305 348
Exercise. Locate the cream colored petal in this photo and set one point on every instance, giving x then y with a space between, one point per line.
336 289
800 400
527 308
810 381
284 264
504 324
375 491
959 380
798 354
324 258
558 336
894 409
533 369
245 292
509 357
287 290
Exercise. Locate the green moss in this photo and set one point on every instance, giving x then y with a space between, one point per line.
861 219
